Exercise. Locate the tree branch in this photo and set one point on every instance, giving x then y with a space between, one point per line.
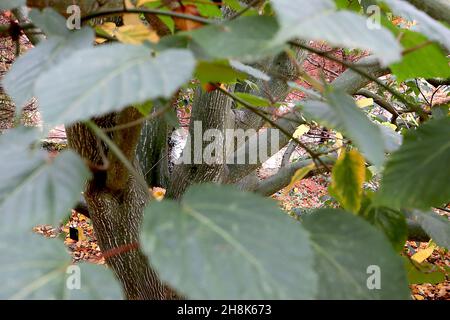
283 177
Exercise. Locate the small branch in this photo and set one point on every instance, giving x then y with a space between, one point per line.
138 121
255 110
248 7
382 102
283 177
113 12
439 82
288 153
363 73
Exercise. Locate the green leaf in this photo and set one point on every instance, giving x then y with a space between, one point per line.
253 100
417 175
50 22
145 108
217 71
348 4
433 29
11 4
20 82
424 61
392 223
108 78
208 9
233 4
347 179
34 189
342 114
33 267
318 20
423 273
346 247
392 139
246 38
255 73
222 243
436 226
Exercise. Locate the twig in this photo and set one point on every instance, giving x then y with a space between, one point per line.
111 12
138 121
365 74
256 111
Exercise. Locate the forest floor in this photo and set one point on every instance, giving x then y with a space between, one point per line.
306 194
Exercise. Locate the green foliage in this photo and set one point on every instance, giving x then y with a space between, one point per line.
341 113
21 82
253 100
417 175
431 28
91 88
345 247
317 20
38 268
219 242
427 61
217 71
434 225
11 4
34 188
217 232
347 180
246 38
391 222
423 273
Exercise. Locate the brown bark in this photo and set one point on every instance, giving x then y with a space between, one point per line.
212 110
116 209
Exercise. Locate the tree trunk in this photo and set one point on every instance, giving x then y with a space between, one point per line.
153 151
212 110
116 209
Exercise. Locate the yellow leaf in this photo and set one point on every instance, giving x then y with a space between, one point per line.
424 254
347 179
301 130
134 31
390 125
108 28
136 34
130 19
158 193
142 2
365 102
81 236
418 297
339 143
299 175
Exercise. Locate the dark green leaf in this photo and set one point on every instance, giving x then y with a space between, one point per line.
20 82
318 20
436 226
108 78
246 38
35 189
11 4
417 175
32 267
342 114
221 243
346 248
